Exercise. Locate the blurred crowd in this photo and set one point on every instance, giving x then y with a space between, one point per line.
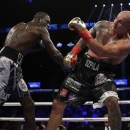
8 125
85 111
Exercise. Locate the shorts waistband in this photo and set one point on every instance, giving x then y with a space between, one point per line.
103 65
12 54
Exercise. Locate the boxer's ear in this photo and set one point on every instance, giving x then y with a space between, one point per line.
38 20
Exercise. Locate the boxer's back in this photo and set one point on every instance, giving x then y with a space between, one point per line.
23 36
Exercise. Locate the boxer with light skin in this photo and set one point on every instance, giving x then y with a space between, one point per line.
22 38
109 45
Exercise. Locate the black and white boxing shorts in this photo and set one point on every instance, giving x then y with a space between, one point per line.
92 78
11 78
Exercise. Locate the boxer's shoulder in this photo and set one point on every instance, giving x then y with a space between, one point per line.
102 24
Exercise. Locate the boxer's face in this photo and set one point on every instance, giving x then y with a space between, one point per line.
45 21
122 23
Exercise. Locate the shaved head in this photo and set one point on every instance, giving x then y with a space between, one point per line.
125 16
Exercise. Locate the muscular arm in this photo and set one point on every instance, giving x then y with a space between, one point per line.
71 58
51 49
112 50
82 43
115 49
38 47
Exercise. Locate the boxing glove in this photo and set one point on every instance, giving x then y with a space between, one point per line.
71 58
78 25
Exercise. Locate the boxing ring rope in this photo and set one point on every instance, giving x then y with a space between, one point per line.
64 119
50 103
56 90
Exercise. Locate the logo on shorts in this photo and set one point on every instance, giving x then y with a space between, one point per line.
92 65
100 79
73 85
22 85
63 92
72 96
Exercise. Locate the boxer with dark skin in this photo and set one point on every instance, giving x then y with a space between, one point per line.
109 45
25 36
20 40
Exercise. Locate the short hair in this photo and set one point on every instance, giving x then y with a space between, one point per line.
40 15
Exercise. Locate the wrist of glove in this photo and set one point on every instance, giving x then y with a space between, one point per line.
70 60
86 36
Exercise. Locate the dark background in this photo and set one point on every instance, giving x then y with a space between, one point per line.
39 66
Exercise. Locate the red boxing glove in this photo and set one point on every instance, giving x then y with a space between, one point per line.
73 60
86 36
76 50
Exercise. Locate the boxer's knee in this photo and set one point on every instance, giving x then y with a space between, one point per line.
58 106
112 104
114 113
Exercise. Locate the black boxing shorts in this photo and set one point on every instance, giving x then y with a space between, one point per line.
11 78
88 81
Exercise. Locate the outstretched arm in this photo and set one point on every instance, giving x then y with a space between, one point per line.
81 43
38 47
51 49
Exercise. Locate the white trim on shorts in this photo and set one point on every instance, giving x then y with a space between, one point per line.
105 95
